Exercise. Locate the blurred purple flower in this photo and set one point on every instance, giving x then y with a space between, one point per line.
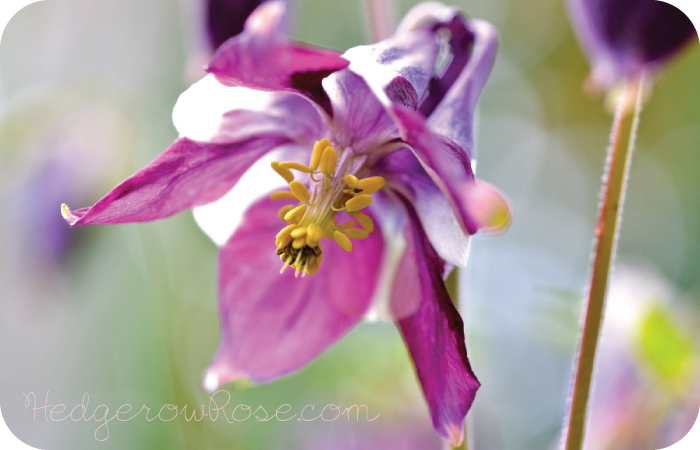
381 121
226 18
623 38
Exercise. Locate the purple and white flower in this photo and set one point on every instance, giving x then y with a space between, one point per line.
377 148
624 38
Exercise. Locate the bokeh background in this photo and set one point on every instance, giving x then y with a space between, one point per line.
128 313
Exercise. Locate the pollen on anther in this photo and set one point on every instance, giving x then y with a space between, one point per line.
352 181
298 232
284 232
314 232
345 225
319 147
300 191
358 203
299 242
329 159
296 166
342 240
283 172
292 213
283 195
356 233
365 220
283 212
371 185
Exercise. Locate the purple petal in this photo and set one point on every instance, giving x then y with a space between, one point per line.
360 121
399 68
434 335
262 58
622 38
446 163
404 174
453 117
285 115
186 175
274 324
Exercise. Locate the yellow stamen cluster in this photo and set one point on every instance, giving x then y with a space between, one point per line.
299 243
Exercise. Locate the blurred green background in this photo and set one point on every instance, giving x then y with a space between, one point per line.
128 313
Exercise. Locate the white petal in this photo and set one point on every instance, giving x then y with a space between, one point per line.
391 223
221 218
198 111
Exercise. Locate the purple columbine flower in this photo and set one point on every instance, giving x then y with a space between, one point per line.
624 38
377 148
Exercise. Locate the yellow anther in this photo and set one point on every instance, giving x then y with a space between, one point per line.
283 171
300 191
295 166
366 221
283 212
283 195
285 241
319 147
372 184
314 232
356 233
352 181
342 240
329 159
358 203
299 242
286 231
313 268
298 232
345 225
328 232
291 214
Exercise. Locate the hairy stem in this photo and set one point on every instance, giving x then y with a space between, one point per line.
606 232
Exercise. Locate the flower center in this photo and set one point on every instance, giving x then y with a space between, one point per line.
336 189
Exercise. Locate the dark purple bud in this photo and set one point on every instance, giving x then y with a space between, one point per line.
226 18
623 38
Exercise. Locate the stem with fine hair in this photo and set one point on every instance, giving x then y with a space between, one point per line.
606 232
452 289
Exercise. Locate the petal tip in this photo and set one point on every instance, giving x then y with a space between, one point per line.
490 208
456 435
68 215
211 382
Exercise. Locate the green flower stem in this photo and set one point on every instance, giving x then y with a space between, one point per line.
380 18
606 231
452 289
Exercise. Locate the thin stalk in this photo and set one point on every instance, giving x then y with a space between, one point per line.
452 289
606 232
380 19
